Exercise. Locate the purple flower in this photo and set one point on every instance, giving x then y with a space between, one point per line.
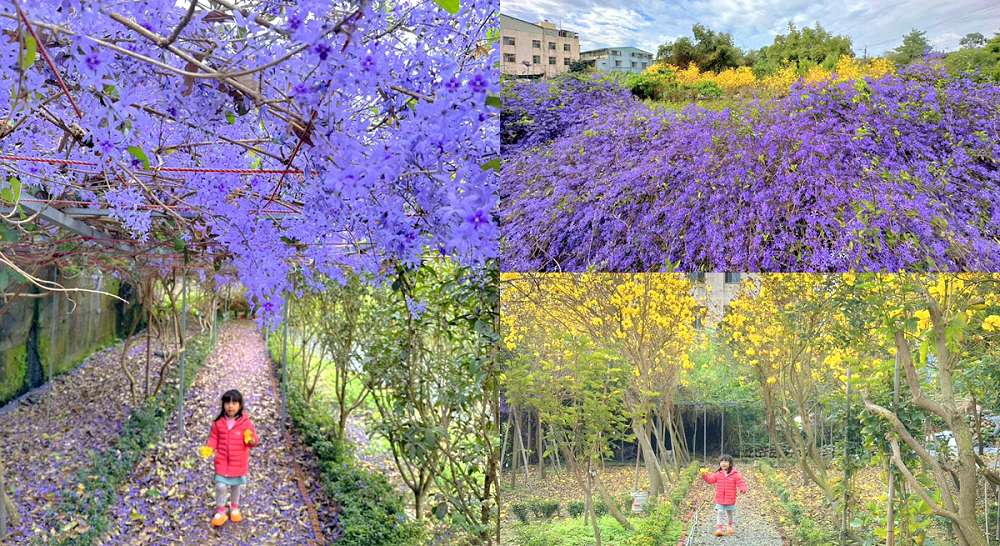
368 64
478 83
322 50
453 84
478 218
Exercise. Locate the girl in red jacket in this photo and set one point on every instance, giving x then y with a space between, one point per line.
230 441
727 482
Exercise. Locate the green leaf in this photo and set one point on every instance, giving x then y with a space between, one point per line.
451 6
29 53
12 193
140 155
8 234
493 100
231 118
493 164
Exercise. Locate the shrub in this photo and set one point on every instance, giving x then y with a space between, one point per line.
550 509
575 508
661 527
570 532
600 508
521 511
370 511
708 90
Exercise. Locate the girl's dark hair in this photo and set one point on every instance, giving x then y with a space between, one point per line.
729 458
231 396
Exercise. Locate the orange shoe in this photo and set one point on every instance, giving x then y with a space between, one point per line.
719 531
729 531
219 519
235 515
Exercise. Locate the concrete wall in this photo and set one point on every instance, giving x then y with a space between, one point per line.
36 333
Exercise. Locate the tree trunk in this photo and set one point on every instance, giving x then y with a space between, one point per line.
652 463
540 448
676 446
612 505
589 491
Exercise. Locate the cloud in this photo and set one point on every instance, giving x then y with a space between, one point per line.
876 25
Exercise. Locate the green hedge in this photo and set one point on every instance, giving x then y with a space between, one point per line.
371 512
806 530
662 527
110 469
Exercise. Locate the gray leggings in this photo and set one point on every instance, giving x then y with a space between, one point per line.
722 515
220 494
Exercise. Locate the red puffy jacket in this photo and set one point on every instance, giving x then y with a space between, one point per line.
726 485
231 454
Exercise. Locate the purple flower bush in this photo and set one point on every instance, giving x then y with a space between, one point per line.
535 112
882 175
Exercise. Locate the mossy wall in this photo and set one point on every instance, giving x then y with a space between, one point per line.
55 332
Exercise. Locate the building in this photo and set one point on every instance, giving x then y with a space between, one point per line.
618 59
536 50
713 292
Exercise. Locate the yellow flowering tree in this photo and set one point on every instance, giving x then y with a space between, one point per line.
647 319
942 328
786 327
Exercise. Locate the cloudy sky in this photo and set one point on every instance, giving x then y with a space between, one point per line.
877 24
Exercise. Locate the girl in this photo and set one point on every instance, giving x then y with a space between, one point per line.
727 482
230 441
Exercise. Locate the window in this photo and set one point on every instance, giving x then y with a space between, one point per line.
565 47
509 58
732 278
552 46
644 65
566 61
698 277
508 40
552 60
536 59
536 44
618 63
634 64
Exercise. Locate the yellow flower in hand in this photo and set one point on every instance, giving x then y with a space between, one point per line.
247 437
205 452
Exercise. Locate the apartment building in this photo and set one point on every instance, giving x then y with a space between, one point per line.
539 50
713 292
618 59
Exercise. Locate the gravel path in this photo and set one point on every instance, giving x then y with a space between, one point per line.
170 497
47 436
754 526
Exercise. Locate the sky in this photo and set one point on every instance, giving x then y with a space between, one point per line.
879 25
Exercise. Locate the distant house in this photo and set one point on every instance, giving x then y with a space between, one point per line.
536 50
618 59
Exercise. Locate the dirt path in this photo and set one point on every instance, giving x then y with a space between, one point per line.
170 498
47 436
754 525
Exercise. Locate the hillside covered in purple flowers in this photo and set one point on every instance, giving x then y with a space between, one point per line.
886 174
